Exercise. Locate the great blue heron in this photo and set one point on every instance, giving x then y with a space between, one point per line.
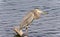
33 14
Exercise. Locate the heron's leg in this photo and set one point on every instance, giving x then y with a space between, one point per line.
27 30
21 26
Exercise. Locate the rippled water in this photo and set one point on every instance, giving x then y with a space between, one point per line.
12 11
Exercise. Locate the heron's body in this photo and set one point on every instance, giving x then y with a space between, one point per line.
27 20
33 14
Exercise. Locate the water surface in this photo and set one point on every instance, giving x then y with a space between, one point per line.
12 12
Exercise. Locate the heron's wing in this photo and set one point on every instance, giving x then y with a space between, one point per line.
26 20
28 15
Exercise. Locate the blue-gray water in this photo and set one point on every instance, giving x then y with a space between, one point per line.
12 11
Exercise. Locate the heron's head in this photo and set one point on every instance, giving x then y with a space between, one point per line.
38 13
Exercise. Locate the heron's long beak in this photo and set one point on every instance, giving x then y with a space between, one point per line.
39 11
44 13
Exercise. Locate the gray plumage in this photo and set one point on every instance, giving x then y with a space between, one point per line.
33 14
27 20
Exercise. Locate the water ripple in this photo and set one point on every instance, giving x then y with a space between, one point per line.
12 11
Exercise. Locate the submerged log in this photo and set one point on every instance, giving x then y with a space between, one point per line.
19 32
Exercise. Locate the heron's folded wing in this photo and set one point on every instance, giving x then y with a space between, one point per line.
27 19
